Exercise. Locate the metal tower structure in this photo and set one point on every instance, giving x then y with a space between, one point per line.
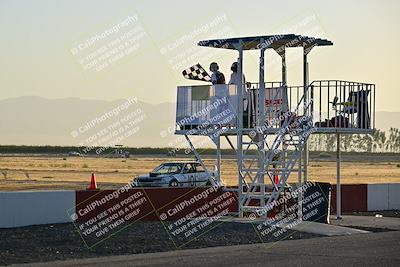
274 121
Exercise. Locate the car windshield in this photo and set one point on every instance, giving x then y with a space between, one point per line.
168 168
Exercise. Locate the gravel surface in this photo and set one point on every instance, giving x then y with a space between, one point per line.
62 241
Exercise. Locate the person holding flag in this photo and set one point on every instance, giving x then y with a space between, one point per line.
217 77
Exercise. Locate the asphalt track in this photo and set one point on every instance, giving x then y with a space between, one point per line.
381 249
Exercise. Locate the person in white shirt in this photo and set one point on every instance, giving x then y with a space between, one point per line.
235 79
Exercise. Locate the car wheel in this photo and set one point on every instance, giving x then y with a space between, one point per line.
174 183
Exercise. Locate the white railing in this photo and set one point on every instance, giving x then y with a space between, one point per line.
333 104
206 106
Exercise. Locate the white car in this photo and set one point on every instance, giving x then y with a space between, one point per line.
176 174
74 154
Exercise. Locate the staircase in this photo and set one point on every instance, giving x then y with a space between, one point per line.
272 158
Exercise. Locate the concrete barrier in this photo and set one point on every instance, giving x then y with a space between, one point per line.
394 197
35 207
383 197
378 197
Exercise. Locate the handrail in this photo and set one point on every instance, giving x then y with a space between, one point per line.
355 82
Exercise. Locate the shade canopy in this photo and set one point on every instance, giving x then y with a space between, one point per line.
266 41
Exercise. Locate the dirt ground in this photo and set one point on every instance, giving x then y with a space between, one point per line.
61 241
46 172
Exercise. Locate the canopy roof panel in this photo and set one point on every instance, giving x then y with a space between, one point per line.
266 41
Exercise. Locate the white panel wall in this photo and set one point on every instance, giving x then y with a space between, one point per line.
378 197
383 197
394 196
35 207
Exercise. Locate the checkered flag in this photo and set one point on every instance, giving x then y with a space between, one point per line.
196 72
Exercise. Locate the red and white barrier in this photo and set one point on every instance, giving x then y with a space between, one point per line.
371 197
47 207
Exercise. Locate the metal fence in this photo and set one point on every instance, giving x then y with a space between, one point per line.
343 104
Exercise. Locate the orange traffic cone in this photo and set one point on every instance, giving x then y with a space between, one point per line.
93 183
276 178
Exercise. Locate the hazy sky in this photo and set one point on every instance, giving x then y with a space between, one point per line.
52 48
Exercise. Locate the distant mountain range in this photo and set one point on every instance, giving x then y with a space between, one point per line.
33 120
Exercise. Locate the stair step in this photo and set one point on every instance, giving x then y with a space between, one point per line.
247 197
250 170
230 190
259 184
258 193
291 142
250 156
248 160
248 143
274 163
251 208
280 170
